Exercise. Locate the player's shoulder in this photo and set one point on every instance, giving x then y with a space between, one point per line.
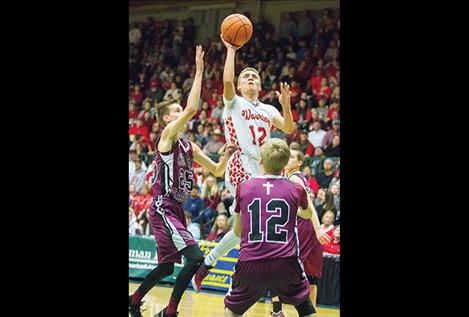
236 98
296 176
279 179
265 105
290 182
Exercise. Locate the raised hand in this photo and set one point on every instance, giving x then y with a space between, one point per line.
284 96
230 149
199 59
228 45
323 237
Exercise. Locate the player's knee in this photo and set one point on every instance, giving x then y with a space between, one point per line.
305 309
198 259
193 255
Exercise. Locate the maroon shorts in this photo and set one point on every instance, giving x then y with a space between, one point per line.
284 277
169 227
313 262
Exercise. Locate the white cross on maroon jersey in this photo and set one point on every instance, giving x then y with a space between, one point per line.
268 185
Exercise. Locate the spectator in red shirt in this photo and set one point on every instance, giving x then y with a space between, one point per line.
324 92
327 225
212 102
148 120
334 107
316 80
313 184
133 113
295 91
142 201
207 91
333 68
305 146
152 143
139 128
333 247
320 67
219 229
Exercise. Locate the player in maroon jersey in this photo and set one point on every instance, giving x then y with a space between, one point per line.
309 233
266 210
172 183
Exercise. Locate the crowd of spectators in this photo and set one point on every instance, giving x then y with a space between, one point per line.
161 67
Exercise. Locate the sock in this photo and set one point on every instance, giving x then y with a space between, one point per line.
172 307
152 278
229 241
194 259
136 297
277 307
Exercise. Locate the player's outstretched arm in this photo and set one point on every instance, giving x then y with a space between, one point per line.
237 224
176 126
311 213
284 123
217 169
229 70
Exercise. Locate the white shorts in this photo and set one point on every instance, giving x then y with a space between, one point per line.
240 168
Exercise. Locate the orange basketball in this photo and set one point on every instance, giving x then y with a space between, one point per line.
236 29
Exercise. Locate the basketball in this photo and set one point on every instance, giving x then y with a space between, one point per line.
236 29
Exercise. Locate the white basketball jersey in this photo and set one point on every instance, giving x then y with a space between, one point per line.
247 125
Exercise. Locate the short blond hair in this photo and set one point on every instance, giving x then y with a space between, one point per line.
245 70
162 109
275 154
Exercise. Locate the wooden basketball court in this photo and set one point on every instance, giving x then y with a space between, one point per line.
208 304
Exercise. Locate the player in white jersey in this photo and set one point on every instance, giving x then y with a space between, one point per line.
247 125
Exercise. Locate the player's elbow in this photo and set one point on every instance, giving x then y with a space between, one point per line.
191 109
219 172
237 231
288 129
305 213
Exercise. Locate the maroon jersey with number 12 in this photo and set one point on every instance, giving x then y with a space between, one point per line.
268 207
